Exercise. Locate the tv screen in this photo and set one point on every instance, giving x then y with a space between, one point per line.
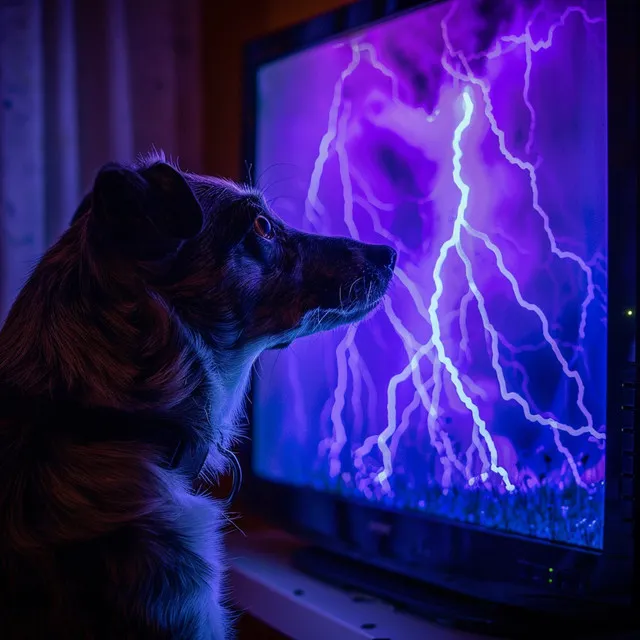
471 136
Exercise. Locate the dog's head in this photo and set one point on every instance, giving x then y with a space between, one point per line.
223 261
160 296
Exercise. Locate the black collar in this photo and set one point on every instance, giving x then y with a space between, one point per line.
62 415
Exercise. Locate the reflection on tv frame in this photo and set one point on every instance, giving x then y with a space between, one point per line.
474 143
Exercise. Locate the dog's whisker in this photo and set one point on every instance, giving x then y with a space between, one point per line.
249 169
321 318
234 525
266 188
353 284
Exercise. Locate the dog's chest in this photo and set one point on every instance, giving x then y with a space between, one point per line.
200 524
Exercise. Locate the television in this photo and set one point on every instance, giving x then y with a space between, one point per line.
474 440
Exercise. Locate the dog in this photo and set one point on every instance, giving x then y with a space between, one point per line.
124 364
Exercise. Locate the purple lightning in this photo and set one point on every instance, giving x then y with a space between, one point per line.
474 142
473 91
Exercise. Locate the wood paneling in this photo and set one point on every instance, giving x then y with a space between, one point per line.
282 13
227 27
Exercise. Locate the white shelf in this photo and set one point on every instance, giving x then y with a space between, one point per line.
271 589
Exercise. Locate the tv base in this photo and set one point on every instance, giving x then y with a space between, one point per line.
450 609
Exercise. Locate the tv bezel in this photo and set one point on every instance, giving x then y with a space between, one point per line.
456 555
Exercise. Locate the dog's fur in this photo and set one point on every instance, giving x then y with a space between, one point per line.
139 328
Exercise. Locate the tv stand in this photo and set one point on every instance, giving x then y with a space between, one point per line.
268 586
448 608
307 593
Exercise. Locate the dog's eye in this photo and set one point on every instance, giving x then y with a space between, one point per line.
263 227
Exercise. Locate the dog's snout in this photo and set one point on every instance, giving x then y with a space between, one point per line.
381 256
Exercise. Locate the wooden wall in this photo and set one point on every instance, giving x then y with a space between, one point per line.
227 26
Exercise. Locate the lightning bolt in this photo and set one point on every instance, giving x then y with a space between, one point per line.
442 370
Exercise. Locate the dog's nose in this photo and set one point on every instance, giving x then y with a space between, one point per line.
381 256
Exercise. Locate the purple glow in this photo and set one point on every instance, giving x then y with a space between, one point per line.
476 145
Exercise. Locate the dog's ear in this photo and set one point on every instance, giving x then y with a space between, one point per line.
145 214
